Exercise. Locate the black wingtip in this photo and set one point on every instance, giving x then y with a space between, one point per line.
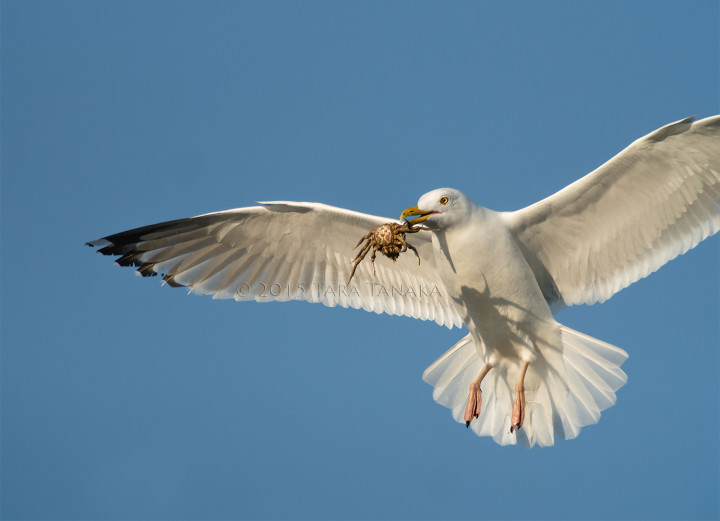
99 243
170 280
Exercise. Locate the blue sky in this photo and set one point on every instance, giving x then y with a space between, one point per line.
122 399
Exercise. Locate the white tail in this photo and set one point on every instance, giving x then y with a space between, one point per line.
566 389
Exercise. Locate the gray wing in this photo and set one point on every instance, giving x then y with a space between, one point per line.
286 251
652 202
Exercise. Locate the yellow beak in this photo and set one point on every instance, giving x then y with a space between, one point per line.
424 214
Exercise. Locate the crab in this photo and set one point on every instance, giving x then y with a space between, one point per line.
389 238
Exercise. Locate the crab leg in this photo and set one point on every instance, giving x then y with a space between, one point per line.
413 249
472 409
358 258
518 411
372 258
365 238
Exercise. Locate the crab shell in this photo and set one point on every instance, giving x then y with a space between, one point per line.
389 240
384 235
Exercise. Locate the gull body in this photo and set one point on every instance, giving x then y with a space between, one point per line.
513 336
500 302
518 375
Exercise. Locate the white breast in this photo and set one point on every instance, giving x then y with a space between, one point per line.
496 293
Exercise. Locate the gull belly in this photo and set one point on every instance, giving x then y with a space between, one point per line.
493 288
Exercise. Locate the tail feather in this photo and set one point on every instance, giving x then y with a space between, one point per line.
452 373
572 384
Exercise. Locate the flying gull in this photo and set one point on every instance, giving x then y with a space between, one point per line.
518 375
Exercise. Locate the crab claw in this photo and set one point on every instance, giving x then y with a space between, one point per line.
472 410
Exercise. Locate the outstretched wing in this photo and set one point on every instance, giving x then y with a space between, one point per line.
286 251
652 202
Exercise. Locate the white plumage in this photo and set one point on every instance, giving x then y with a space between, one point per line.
655 200
502 275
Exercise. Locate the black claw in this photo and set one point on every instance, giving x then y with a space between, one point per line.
467 424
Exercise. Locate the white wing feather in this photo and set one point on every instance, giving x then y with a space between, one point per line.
652 202
286 251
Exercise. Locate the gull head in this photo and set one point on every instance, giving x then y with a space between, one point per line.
440 208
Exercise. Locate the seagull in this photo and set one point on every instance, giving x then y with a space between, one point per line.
518 376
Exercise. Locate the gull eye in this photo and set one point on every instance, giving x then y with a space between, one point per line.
444 201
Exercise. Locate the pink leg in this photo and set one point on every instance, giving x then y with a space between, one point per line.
472 410
518 411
